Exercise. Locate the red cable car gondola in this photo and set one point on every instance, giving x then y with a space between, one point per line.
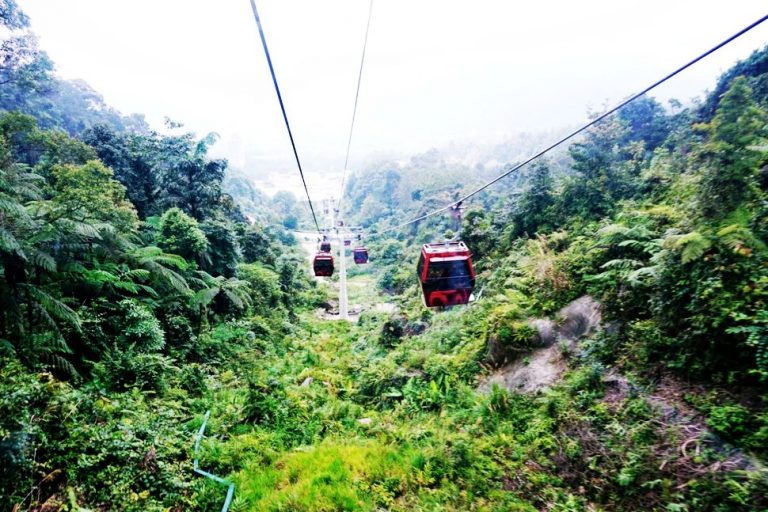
446 274
323 264
360 255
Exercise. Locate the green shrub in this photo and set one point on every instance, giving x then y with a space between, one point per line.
124 369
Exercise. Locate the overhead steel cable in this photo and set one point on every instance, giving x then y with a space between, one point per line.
583 128
354 109
282 108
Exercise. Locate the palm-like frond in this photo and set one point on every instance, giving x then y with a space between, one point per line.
157 255
154 261
691 245
11 207
642 275
43 260
60 363
8 243
205 296
740 238
51 305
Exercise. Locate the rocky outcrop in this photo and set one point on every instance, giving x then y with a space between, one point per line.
542 366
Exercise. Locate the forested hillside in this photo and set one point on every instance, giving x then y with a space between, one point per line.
615 356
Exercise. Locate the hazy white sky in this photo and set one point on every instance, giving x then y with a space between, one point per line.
436 70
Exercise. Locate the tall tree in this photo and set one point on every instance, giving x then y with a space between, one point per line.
600 178
533 211
22 64
181 234
646 121
731 156
135 159
190 180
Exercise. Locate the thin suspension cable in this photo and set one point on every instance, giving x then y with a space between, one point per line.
585 127
354 109
282 108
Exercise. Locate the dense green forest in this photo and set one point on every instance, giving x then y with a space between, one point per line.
615 357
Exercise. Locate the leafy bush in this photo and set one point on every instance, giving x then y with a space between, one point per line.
124 369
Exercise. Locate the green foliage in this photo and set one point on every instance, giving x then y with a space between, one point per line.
189 180
89 192
127 368
256 245
692 246
602 174
180 234
534 209
223 251
264 285
141 330
134 159
510 328
646 122
731 155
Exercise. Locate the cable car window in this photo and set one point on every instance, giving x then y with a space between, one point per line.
448 275
446 269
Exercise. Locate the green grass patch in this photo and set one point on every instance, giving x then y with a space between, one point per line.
334 475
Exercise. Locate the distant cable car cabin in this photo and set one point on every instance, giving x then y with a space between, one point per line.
325 246
347 243
446 274
360 255
323 264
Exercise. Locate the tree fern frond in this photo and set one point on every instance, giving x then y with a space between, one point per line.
739 238
60 363
148 290
196 282
137 273
6 347
642 275
127 286
10 207
8 243
239 298
691 245
634 244
144 254
74 267
177 282
43 260
53 306
86 230
207 278
205 296
612 230
234 298
98 277
621 263
28 191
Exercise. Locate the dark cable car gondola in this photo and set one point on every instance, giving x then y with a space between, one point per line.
325 246
446 274
360 255
323 264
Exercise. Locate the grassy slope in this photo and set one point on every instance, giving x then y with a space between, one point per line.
402 428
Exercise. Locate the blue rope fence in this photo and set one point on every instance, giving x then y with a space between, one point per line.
215 478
